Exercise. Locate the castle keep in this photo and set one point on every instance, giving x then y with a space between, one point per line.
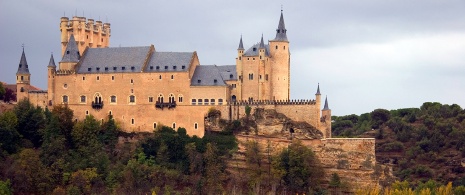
143 87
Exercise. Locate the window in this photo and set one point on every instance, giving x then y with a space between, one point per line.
205 101
98 78
112 78
276 47
172 77
166 67
110 113
106 68
158 67
196 126
220 101
284 47
194 101
198 81
160 98
87 112
248 59
212 102
83 78
266 77
171 98
114 67
254 49
22 89
180 98
132 121
132 99
132 81
174 126
151 67
240 58
133 68
233 86
260 77
150 99
199 101
231 76
215 81
159 77
154 126
251 76
183 67
65 99
67 52
89 69
253 58
174 67
113 99
83 99
98 68
65 85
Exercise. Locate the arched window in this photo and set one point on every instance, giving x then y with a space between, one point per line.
233 98
132 121
174 126
171 98
22 89
110 113
160 98
155 125
180 98
196 125
65 99
98 98
132 99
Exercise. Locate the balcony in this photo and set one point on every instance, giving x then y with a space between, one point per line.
97 106
162 105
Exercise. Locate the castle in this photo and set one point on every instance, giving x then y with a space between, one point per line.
143 87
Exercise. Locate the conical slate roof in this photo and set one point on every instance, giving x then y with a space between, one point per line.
262 44
281 31
23 68
326 107
72 52
318 90
52 62
241 46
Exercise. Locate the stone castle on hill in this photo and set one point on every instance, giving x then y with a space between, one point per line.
143 87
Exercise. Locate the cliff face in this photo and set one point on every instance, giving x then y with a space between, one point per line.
353 159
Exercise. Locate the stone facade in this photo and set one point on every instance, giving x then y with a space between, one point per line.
142 87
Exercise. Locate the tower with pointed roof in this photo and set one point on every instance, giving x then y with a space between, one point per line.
280 62
326 119
23 78
51 79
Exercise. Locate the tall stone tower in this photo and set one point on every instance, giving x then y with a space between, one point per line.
280 63
51 80
87 34
23 78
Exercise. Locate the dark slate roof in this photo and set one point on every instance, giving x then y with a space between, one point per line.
169 62
52 62
252 52
23 68
262 44
326 104
281 31
206 76
113 59
318 90
72 52
241 46
228 72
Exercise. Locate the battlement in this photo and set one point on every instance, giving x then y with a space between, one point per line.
274 102
87 32
64 72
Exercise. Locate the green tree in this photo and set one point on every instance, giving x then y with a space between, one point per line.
254 161
379 117
109 133
31 121
214 170
30 176
2 91
5 187
9 137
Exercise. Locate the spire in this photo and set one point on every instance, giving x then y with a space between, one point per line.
281 31
241 46
23 68
71 53
262 44
326 104
318 90
52 62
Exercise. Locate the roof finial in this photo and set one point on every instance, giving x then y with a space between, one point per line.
281 8
326 107
22 45
318 90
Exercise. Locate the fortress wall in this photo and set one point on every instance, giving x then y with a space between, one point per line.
353 159
38 99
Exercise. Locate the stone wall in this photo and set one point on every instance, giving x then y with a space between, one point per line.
353 159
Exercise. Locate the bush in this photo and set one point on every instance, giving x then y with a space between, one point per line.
393 147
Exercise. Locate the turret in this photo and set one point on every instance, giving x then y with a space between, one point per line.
280 63
326 119
23 78
64 33
261 49
240 49
51 80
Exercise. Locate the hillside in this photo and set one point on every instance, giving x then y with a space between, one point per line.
419 143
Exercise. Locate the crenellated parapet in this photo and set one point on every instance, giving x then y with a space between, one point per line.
274 102
64 72
88 33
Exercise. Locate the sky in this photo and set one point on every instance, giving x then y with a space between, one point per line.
365 54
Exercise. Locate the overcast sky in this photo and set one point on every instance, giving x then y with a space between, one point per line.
365 54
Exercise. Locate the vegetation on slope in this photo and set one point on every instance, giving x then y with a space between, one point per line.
421 143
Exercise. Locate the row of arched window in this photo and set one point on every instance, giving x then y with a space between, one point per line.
131 99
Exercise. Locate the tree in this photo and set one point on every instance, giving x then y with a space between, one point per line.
9 137
303 171
379 117
213 172
109 133
30 176
2 91
31 121
9 95
253 159
5 187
